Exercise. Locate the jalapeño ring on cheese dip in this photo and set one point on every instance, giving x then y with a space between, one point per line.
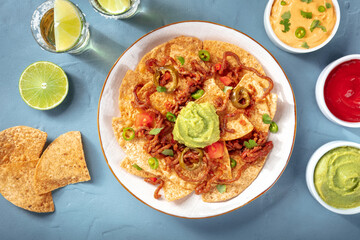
301 26
195 117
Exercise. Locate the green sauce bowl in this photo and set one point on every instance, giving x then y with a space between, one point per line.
310 173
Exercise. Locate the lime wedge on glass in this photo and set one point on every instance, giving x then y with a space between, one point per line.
114 6
43 85
67 25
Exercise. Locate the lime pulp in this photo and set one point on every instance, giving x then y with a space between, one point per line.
43 85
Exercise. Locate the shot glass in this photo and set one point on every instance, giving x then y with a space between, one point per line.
42 28
131 11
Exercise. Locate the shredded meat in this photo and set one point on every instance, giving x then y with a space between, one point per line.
251 155
238 175
211 170
150 63
156 181
234 73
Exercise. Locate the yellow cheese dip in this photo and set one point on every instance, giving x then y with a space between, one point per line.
337 177
312 39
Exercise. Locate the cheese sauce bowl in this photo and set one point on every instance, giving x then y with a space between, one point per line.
310 173
280 44
320 91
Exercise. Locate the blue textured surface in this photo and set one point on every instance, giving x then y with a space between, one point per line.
102 208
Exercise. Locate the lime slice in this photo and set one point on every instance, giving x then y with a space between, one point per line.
114 6
43 85
67 25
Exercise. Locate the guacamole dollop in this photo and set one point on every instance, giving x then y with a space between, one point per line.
337 177
197 125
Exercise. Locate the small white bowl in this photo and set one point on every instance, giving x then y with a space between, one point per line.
310 174
271 34
319 91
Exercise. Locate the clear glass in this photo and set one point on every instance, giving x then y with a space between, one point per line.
127 14
42 28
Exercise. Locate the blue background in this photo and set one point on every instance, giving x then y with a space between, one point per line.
102 208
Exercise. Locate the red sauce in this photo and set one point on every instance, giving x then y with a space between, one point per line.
342 91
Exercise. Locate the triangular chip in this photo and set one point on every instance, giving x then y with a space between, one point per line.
174 192
16 185
21 143
239 123
126 95
62 163
132 167
232 190
217 49
158 99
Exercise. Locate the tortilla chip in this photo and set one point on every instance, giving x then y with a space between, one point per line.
211 93
217 49
128 165
174 192
157 99
21 143
253 84
183 46
271 100
240 123
16 185
234 189
126 95
135 151
62 163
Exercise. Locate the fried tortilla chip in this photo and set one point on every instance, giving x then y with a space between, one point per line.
21 143
255 86
271 100
126 95
217 49
16 185
174 192
134 148
234 189
157 99
128 165
62 163
240 123
183 46
135 151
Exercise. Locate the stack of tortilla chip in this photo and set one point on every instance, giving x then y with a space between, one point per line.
188 48
27 177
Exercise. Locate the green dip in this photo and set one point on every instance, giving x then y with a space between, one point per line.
197 125
337 177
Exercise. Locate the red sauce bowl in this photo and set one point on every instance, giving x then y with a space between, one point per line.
338 91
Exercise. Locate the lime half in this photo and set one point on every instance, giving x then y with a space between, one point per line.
114 6
43 85
67 25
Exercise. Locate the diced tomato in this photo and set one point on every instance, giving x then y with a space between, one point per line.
226 80
144 119
215 150
153 179
217 66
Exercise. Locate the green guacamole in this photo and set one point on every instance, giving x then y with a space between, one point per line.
197 125
337 177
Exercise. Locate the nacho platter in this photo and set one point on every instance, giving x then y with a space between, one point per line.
274 165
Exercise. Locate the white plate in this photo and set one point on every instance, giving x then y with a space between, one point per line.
193 206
